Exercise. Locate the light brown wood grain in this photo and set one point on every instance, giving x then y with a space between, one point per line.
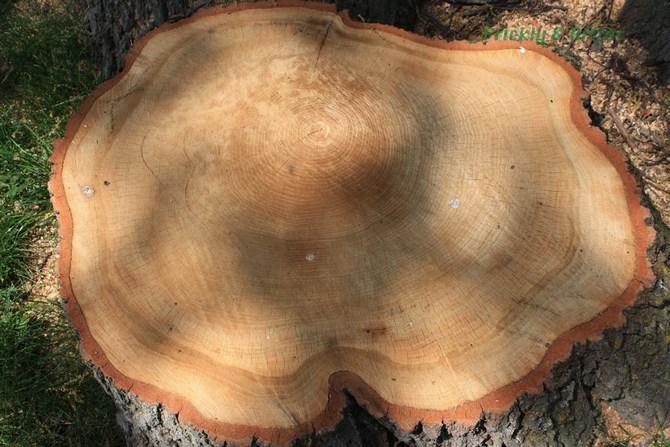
271 196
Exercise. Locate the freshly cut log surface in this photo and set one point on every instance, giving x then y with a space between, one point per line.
272 205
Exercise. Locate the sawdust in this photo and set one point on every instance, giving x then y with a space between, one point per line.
618 429
43 285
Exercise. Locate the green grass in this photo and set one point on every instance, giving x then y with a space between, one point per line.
656 439
48 397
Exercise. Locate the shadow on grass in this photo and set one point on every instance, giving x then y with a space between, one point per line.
47 395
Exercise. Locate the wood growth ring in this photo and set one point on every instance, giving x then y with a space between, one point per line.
270 205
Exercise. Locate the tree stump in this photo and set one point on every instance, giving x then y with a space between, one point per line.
282 227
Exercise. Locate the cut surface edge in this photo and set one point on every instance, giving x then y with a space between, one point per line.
407 418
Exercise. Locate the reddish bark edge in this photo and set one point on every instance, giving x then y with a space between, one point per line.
407 418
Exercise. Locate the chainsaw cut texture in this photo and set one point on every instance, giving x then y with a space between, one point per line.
272 205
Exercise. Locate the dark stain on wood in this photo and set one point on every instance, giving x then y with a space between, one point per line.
377 331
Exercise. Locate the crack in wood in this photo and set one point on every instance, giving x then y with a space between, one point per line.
323 42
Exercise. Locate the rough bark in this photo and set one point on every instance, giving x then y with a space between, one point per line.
116 24
649 21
